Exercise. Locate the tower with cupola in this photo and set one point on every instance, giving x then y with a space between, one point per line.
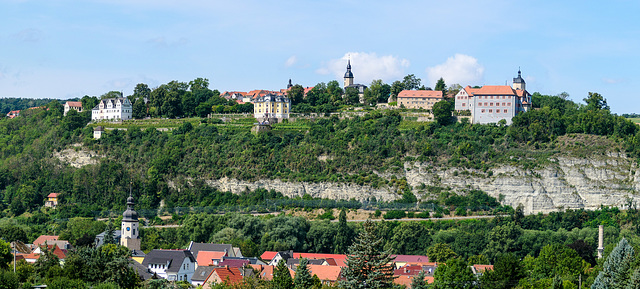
348 76
518 82
130 230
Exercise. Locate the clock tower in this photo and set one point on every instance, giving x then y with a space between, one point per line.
130 230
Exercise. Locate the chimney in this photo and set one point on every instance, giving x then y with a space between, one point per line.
600 241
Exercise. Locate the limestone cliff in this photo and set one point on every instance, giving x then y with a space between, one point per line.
565 182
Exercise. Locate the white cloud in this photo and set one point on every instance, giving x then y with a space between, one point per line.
462 69
613 80
366 67
291 61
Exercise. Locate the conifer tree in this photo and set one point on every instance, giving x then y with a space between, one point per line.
615 273
282 277
303 278
343 236
368 264
418 281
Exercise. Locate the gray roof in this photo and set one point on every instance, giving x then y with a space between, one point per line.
142 271
272 98
197 247
202 273
252 260
173 258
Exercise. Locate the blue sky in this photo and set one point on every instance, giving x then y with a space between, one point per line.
64 49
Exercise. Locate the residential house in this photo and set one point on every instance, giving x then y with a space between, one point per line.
75 105
118 108
274 257
207 258
493 103
173 265
417 99
478 270
226 275
97 132
230 251
326 274
293 262
402 260
201 275
52 200
404 275
13 113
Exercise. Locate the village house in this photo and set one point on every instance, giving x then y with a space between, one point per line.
417 99
13 113
118 108
75 105
52 200
493 103
223 275
173 265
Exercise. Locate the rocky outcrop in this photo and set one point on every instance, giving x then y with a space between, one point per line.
77 156
336 191
565 183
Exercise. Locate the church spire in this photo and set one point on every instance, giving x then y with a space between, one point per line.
348 76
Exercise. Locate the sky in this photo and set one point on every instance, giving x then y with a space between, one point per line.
65 49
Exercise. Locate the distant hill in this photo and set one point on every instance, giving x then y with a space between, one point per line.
18 103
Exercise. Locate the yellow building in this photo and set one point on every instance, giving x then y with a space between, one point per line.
52 200
419 98
271 106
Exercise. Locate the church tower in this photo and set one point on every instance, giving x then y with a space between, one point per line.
348 76
130 231
518 82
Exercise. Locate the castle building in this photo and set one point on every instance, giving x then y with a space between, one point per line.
130 230
492 103
348 83
271 106
118 108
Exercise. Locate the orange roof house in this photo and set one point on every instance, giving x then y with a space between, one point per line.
224 275
13 113
206 258
424 99
52 200
326 274
43 239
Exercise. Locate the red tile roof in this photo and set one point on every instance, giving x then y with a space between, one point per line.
268 255
325 273
495 90
406 280
225 275
205 258
421 93
482 268
74 103
44 238
411 258
52 195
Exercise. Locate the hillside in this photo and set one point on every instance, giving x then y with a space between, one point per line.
568 156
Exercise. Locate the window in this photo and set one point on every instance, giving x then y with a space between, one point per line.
492 97
505 111
463 104
491 110
491 104
482 111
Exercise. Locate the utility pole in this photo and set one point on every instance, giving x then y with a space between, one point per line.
13 245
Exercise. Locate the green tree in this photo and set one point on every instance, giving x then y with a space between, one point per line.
368 266
199 84
616 269
441 86
595 102
442 112
139 109
351 96
440 252
344 234
478 260
303 278
454 274
9 280
409 238
5 254
335 92
506 273
411 82
296 94
89 102
419 282
502 239
396 87
281 276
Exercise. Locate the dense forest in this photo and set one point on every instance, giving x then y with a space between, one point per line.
15 103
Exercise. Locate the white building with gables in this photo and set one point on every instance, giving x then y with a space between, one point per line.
119 108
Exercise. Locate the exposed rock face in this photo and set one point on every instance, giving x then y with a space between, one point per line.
336 191
77 157
566 182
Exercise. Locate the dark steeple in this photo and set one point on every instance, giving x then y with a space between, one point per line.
518 79
348 74
130 214
289 85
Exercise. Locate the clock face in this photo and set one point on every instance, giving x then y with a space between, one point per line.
128 229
